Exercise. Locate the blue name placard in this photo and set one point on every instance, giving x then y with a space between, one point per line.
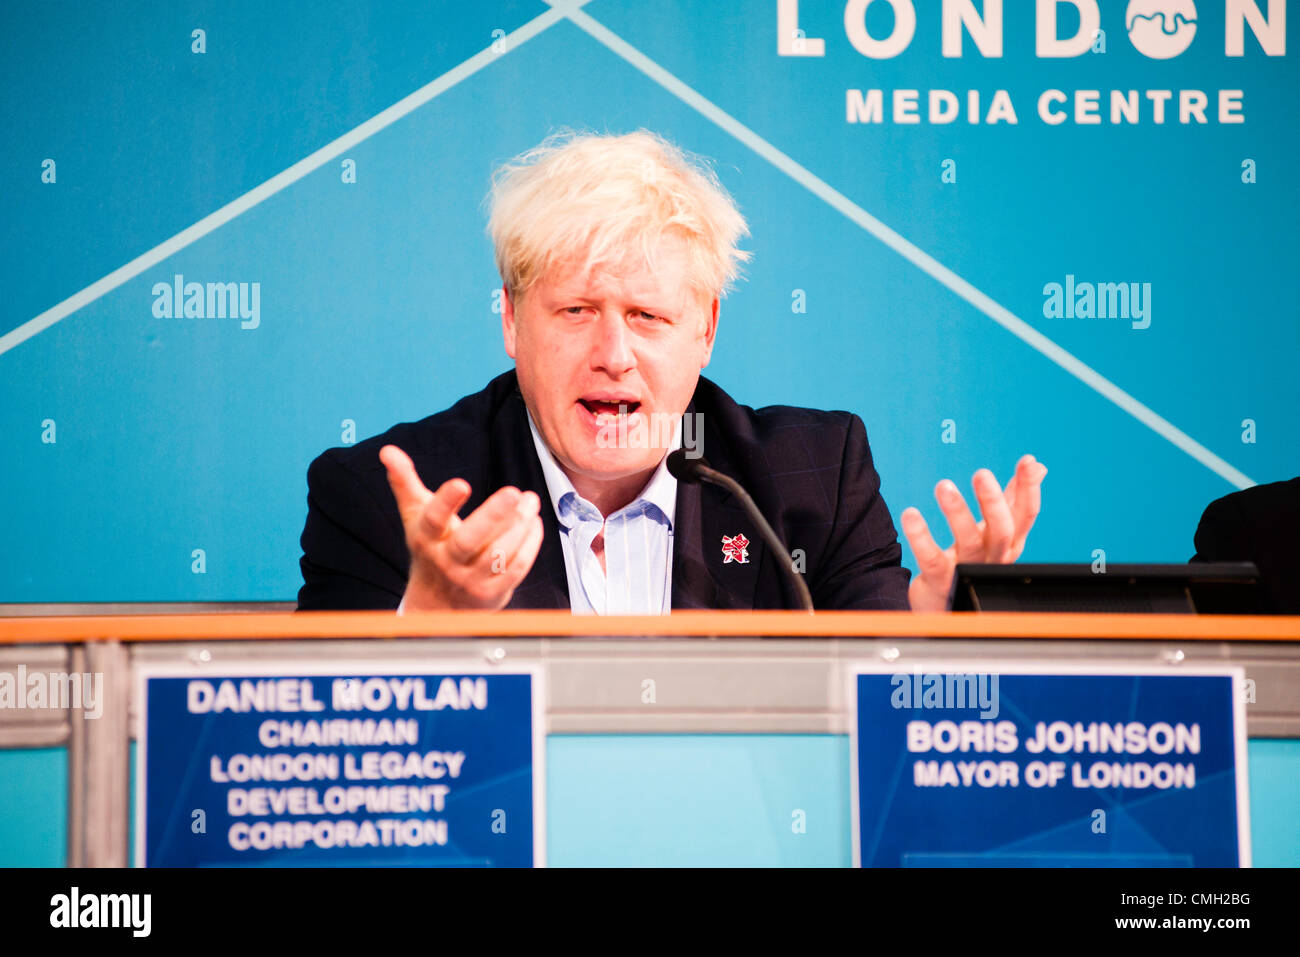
981 765
294 767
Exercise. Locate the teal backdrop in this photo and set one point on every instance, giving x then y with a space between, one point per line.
899 268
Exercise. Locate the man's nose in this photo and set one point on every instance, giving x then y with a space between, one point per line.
612 349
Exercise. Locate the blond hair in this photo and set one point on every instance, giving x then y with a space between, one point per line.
596 199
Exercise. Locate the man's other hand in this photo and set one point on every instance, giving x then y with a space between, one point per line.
476 562
999 538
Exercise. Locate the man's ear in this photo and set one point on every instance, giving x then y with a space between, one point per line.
507 321
710 332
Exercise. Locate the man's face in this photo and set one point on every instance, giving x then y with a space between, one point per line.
584 344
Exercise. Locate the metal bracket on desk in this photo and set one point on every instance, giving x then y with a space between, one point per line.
99 762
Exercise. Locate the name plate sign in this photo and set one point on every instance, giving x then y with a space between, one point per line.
336 767
981 765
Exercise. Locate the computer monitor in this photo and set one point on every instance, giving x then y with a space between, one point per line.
1197 588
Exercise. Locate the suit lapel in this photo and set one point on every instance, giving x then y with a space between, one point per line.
514 457
721 516
693 583
702 577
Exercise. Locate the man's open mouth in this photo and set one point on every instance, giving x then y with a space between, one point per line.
601 407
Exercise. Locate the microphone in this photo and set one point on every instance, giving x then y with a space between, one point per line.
698 470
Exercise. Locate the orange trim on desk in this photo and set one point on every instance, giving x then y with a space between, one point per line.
560 623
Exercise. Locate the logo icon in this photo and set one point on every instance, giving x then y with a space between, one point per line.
1160 29
734 549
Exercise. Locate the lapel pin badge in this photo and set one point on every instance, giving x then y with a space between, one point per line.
735 549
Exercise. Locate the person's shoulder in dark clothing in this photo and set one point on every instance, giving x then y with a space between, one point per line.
354 548
1261 525
812 474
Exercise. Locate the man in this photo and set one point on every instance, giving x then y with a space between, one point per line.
614 252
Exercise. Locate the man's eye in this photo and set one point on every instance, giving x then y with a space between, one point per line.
649 315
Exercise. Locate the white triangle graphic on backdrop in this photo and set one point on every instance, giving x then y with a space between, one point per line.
570 10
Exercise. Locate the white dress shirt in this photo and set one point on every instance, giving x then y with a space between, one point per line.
638 572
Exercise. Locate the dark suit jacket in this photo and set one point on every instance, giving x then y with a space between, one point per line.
809 471
1260 525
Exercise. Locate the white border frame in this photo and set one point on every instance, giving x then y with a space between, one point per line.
288 668
980 666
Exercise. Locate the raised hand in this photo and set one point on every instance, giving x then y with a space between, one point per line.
999 537
475 562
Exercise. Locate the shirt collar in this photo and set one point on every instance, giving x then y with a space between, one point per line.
660 491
